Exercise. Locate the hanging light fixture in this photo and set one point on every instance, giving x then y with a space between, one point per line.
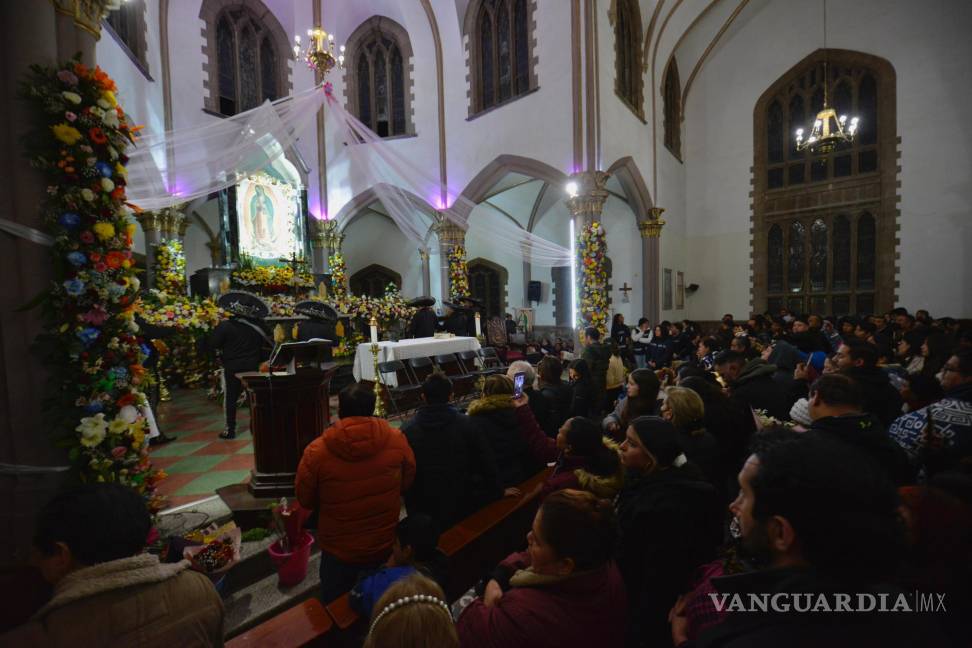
828 129
319 52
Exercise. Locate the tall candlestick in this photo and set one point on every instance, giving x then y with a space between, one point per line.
479 330
374 330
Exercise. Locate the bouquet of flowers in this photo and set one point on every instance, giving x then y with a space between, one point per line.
219 551
170 265
458 273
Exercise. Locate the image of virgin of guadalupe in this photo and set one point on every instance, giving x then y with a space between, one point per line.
261 218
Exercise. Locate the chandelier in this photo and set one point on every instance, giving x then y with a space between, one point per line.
319 52
828 129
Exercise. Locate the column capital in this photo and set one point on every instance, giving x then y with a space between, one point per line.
173 221
424 255
87 14
450 235
652 228
587 200
150 221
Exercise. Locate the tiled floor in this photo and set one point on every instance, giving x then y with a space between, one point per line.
199 462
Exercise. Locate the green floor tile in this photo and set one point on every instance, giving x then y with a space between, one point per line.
178 449
208 483
247 449
195 463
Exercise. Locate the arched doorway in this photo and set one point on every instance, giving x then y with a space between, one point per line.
373 280
487 283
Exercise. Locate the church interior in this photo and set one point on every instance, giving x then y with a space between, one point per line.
485 322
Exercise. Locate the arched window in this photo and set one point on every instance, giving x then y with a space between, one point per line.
378 76
500 49
487 283
628 79
374 280
672 96
127 25
824 223
247 53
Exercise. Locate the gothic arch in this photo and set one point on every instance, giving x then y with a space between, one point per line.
373 279
399 36
489 175
629 176
353 209
209 12
502 277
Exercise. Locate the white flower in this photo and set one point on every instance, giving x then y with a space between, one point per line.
110 119
128 414
73 97
97 112
87 194
134 283
107 184
104 104
112 153
92 429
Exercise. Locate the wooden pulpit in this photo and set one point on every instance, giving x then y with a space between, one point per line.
287 412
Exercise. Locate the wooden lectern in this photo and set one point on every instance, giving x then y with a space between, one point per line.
287 411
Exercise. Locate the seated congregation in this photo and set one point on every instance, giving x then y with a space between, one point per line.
787 481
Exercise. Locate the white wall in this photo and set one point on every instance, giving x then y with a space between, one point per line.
372 238
927 44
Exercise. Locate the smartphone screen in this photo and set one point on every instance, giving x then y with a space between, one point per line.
518 384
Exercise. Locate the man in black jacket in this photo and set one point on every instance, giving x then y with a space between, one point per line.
836 407
859 361
455 469
751 383
819 523
597 356
424 321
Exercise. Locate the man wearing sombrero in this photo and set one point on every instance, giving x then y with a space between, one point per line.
423 322
321 323
242 344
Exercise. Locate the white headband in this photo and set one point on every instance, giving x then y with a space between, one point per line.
408 600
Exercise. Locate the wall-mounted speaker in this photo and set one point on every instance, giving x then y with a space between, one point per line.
534 288
691 288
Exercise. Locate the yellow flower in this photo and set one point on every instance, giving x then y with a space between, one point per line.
104 230
122 171
67 134
109 96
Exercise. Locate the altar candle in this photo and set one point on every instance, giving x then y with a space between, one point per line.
374 330
479 330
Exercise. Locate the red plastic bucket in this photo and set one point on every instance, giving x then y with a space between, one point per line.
292 566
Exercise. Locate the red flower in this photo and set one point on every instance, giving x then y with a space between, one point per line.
127 399
94 256
118 193
114 259
97 136
86 237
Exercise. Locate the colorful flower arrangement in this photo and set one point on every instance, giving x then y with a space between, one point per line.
178 311
271 279
594 279
339 276
170 266
390 311
458 273
90 339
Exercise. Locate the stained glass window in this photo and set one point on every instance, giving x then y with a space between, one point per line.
268 70
504 51
775 259
842 253
627 42
364 89
866 239
673 110
249 76
246 61
504 47
774 133
226 54
797 256
380 77
486 54
398 92
818 256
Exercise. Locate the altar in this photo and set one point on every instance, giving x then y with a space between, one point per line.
364 368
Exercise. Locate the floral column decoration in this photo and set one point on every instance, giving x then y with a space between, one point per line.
458 273
339 276
170 266
90 339
593 285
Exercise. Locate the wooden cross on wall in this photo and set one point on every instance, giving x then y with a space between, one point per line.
625 289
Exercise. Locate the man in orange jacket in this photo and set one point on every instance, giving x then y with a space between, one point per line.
354 475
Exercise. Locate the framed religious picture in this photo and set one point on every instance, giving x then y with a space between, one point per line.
268 223
667 290
679 290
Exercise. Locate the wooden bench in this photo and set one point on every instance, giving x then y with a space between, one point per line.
472 547
306 624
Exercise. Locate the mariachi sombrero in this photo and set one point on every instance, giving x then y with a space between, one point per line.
316 310
422 302
244 304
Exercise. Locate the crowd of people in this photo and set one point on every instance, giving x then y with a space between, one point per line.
788 480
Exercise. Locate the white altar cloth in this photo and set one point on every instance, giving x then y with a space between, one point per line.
403 350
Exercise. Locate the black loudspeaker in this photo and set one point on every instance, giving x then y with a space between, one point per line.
533 291
691 288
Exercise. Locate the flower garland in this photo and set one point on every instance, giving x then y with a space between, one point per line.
90 338
170 264
593 286
458 273
339 276
391 310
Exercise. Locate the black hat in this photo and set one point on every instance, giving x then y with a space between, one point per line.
422 302
244 304
659 438
453 306
472 301
316 310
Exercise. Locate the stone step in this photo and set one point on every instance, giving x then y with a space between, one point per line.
261 599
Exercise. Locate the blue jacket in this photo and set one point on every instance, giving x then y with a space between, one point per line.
369 589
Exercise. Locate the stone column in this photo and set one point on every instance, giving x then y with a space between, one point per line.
154 227
45 33
319 251
426 273
650 261
585 205
450 235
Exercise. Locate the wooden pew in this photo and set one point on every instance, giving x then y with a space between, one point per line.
306 624
472 547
